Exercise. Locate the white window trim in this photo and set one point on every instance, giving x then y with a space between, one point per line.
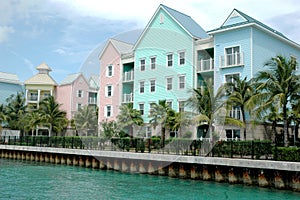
81 95
105 111
141 64
107 71
151 85
106 90
182 75
155 63
143 108
170 53
181 51
171 83
78 107
238 73
143 81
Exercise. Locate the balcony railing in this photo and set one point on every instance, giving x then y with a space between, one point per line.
128 76
32 97
92 100
232 60
127 98
205 65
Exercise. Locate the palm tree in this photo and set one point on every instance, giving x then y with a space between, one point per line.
278 83
273 116
129 117
86 119
159 116
240 93
178 120
3 115
32 120
15 110
52 116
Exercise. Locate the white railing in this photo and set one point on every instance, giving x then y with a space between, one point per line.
127 98
128 76
205 65
92 100
230 60
32 97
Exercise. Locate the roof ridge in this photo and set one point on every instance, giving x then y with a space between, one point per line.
175 10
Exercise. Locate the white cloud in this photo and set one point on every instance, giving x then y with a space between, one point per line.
5 31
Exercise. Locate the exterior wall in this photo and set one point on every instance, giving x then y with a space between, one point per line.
159 40
110 57
79 84
241 38
266 46
63 97
8 89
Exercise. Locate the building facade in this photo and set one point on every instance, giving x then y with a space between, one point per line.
9 85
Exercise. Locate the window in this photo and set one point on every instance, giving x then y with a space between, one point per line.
235 113
152 104
161 19
181 106
141 108
152 86
230 78
33 96
79 93
153 62
170 104
181 82
148 131
109 71
233 134
108 111
78 106
143 64
142 87
170 60
233 56
181 58
109 90
169 83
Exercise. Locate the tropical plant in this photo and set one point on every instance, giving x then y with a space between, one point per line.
86 119
15 111
240 92
129 117
159 114
110 129
3 115
52 116
277 84
32 120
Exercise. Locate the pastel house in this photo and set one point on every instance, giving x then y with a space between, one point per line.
9 85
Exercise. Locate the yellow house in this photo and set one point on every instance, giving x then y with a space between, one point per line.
39 87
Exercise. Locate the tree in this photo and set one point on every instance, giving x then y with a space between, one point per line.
278 83
110 129
3 115
159 116
15 111
32 120
240 93
129 117
86 119
52 116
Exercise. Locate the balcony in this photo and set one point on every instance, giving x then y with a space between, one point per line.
205 65
235 113
232 60
92 100
128 76
127 98
32 97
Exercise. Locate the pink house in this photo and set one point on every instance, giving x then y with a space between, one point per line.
110 91
73 93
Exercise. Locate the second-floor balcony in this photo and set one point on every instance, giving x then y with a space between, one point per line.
127 98
205 65
92 100
32 97
232 60
128 76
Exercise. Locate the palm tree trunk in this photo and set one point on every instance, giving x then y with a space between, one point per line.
244 121
285 126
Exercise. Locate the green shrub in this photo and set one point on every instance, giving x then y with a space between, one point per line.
287 154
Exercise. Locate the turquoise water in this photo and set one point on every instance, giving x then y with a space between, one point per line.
31 180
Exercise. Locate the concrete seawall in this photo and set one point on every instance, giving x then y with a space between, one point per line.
263 173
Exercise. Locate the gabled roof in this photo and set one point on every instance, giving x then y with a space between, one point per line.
183 20
41 78
94 81
120 46
186 22
70 79
9 78
243 20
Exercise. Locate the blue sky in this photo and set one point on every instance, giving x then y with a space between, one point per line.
67 35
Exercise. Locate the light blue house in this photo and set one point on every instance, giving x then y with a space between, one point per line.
9 85
164 60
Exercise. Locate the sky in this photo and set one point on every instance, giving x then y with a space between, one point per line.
68 34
